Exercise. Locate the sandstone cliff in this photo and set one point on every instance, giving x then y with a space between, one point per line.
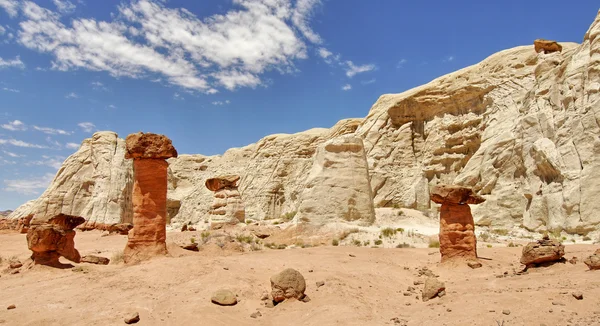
520 127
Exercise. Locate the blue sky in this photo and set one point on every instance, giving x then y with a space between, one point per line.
215 74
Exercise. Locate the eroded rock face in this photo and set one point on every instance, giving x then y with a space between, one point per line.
593 261
457 229
227 206
338 187
149 198
287 284
49 239
546 46
542 251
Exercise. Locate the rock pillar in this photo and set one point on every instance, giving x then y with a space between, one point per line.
227 206
149 198
457 229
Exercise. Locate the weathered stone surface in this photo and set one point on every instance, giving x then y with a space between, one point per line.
149 146
593 261
97 260
542 251
224 298
287 284
227 206
432 288
457 229
149 201
221 182
49 239
546 46
338 187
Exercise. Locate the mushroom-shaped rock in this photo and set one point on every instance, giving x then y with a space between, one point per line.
52 238
593 261
542 251
457 229
546 46
149 146
149 198
287 284
227 206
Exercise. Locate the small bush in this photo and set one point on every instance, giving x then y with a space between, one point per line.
586 238
400 213
356 242
511 245
193 240
244 238
434 243
335 242
117 257
406 245
400 230
348 232
573 240
388 232
485 236
288 216
489 246
563 238
396 205
502 232
281 246
378 242
205 235
367 243
276 222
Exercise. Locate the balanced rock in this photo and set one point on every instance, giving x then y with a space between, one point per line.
149 198
457 229
432 288
52 238
546 46
593 261
91 259
542 251
224 298
287 284
227 206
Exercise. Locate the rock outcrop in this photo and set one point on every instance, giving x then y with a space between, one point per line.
49 239
593 261
542 251
149 198
546 46
227 206
287 284
457 229
519 128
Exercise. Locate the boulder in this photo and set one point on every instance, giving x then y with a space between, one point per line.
433 288
149 146
457 228
542 251
221 182
132 319
92 259
593 261
287 284
546 46
224 298
53 238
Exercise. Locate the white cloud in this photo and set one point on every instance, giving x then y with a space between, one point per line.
324 53
51 131
353 69
11 154
219 103
51 161
16 62
2 30
12 90
11 7
146 39
71 95
87 126
72 146
31 186
347 87
64 6
16 125
111 106
178 97
449 59
367 82
20 143
401 63
98 86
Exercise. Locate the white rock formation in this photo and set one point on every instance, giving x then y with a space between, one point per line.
521 128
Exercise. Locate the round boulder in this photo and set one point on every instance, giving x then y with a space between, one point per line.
287 284
224 298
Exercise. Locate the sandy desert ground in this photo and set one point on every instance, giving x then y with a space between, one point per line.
363 286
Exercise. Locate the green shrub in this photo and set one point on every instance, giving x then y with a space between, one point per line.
406 245
117 257
367 243
586 238
244 238
400 213
388 232
378 242
281 246
401 230
193 240
356 242
288 216
484 236
489 246
502 232
348 232
511 245
335 242
434 243
204 235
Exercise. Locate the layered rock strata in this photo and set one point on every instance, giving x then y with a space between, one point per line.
149 198
227 206
542 251
457 229
49 239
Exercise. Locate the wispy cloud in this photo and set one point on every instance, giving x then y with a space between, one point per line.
72 146
64 6
51 131
219 103
11 154
449 59
31 186
12 90
367 82
87 126
111 106
347 87
20 143
401 63
353 70
98 86
54 162
178 97
14 63
11 7
15 125
71 95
